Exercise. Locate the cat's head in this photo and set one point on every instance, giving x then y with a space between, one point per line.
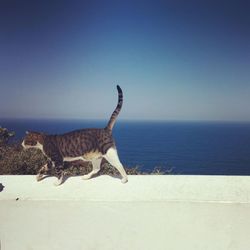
33 140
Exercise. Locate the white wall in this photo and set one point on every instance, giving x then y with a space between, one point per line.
149 212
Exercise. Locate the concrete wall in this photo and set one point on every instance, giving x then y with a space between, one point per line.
149 212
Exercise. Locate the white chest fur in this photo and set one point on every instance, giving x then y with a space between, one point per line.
74 158
38 146
90 156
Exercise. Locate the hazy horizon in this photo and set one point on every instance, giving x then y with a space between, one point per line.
4 119
174 60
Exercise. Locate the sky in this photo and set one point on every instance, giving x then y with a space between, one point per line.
174 60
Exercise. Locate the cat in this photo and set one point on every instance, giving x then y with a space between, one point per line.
85 144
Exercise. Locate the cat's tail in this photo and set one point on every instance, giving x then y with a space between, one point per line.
117 110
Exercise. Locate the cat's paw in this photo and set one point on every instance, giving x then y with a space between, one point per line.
124 180
86 177
39 177
58 182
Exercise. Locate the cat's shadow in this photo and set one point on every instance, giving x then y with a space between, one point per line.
49 176
66 177
1 187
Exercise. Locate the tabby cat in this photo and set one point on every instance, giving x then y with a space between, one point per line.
86 144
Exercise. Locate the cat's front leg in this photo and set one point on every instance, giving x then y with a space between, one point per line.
60 173
57 163
42 172
60 180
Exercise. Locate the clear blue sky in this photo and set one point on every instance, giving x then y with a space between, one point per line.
175 60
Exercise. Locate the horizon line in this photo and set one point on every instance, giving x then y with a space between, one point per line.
127 119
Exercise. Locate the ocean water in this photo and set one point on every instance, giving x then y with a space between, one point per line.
207 148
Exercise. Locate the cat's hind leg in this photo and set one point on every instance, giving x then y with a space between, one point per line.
96 163
112 157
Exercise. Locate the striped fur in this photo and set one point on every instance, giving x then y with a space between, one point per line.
85 144
117 110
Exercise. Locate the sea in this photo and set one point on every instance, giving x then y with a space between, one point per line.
190 148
